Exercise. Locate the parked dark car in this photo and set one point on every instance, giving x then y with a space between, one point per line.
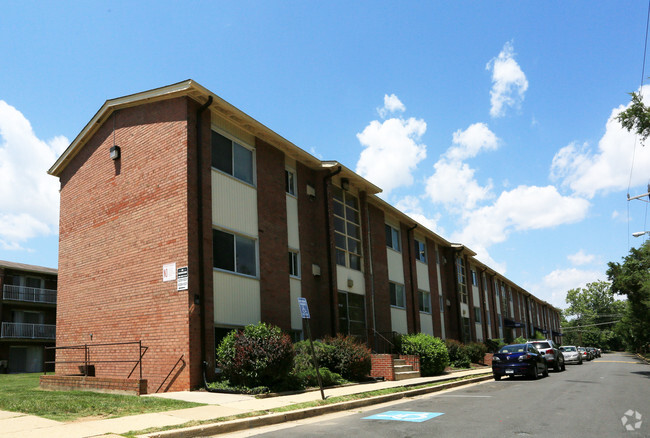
519 360
551 352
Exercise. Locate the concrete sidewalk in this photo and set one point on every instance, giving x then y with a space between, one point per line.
15 425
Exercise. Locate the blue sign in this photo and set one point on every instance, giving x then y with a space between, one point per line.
304 310
413 417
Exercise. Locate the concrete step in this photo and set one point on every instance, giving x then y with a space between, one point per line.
399 362
402 368
407 375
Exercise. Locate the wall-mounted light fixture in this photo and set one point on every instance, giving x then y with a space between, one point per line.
345 184
115 152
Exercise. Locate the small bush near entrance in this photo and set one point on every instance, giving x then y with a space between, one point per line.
458 354
432 351
348 357
476 351
303 366
258 355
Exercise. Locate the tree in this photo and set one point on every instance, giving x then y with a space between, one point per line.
592 309
632 278
637 117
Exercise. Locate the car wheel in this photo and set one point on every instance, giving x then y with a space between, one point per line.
545 373
556 366
497 378
580 362
535 374
563 366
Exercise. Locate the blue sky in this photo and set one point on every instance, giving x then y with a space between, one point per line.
489 122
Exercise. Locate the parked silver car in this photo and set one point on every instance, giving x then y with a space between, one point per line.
571 354
552 353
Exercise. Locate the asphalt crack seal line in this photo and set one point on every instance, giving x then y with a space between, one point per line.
300 414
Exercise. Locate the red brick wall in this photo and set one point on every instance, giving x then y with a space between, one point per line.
273 239
380 269
120 222
410 280
382 366
313 244
95 384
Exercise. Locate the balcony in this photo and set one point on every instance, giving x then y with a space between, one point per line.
30 294
18 330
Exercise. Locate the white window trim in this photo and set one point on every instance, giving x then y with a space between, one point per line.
396 306
257 252
428 312
295 181
297 255
399 238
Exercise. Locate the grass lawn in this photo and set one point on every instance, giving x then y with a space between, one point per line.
21 393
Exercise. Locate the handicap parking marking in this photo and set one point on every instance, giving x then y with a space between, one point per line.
414 417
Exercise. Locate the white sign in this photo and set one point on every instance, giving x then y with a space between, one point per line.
183 280
304 309
169 272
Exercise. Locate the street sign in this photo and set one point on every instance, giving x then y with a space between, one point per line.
304 309
413 417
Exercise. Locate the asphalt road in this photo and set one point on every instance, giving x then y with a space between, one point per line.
588 400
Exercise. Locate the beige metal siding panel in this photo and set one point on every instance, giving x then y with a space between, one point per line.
422 271
295 291
292 222
234 204
426 323
236 299
233 130
395 266
398 320
344 274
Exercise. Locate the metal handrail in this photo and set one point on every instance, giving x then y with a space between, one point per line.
30 294
19 330
87 361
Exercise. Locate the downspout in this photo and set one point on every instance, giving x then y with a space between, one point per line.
199 188
328 236
410 262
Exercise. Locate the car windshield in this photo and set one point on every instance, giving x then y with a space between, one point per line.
519 348
541 345
568 348
581 349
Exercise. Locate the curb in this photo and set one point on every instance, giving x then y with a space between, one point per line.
642 358
276 418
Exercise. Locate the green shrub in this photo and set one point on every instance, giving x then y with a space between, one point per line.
476 351
347 357
494 345
303 359
307 377
519 340
432 351
458 354
258 355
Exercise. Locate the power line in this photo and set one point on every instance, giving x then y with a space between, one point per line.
577 327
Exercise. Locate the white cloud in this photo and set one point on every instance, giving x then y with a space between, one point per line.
392 151
470 142
29 197
520 209
608 169
453 184
392 104
556 284
581 258
509 83
411 206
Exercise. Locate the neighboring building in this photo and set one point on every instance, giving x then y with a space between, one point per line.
176 178
28 315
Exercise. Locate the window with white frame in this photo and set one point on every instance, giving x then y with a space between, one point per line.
232 158
437 256
347 229
474 278
420 251
234 253
294 264
462 279
442 304
392 238
477 315
352 314
424 301
290 181
397 298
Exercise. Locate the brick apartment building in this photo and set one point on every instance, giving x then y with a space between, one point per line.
182 218
28 316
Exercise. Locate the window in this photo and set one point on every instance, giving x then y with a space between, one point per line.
232 158
352 314
294 264
397 295
442 304
234 253
485 285
474 278
424 301
477 315
437 256
347 229
462 279
420 251
392 238
489 323
499 319
290 182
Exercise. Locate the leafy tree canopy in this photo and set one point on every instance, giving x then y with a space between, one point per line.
637 117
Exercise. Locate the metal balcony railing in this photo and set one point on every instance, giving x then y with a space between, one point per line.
28 331
31 294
